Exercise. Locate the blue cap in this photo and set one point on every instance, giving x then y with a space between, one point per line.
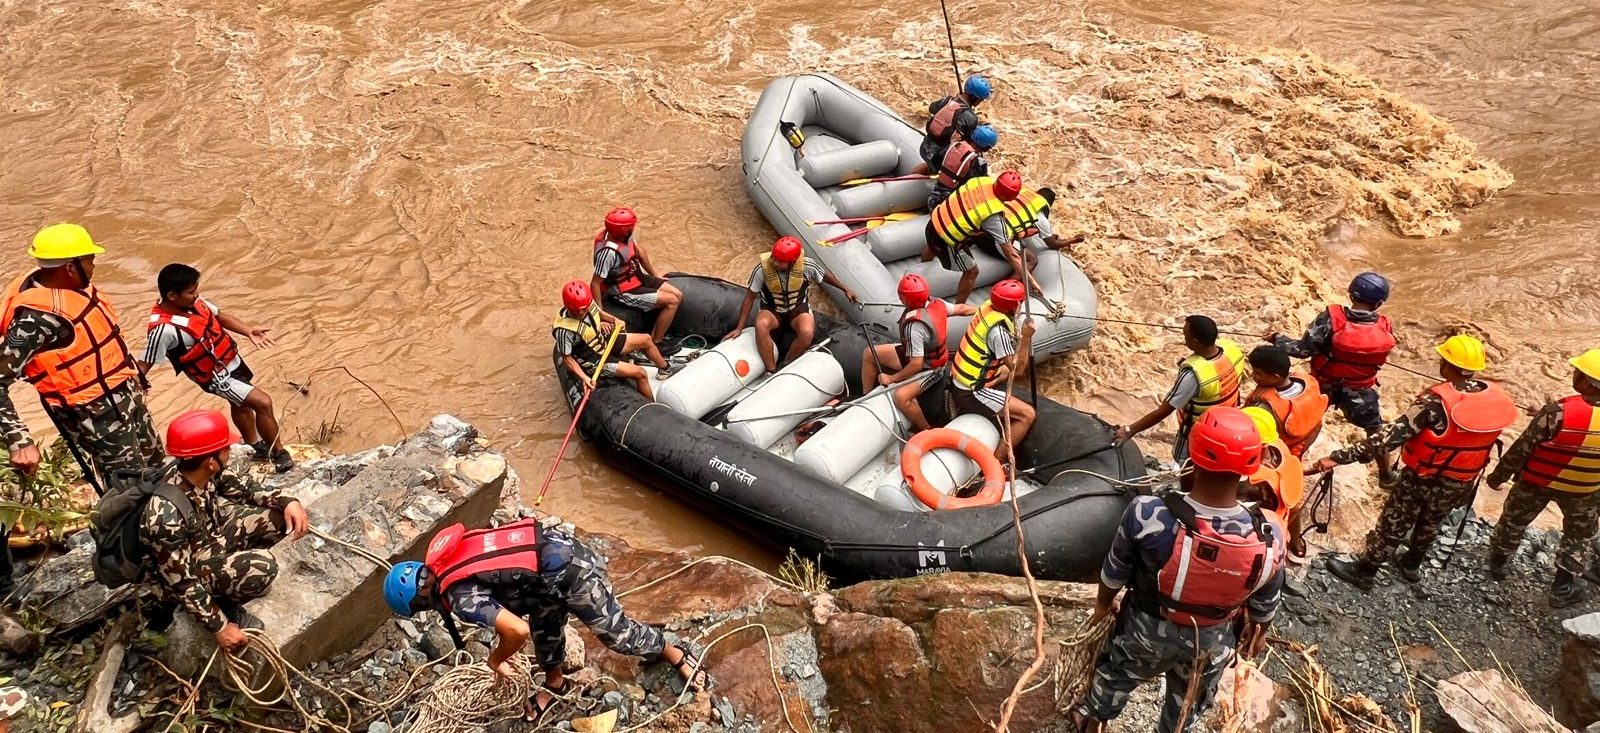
400 587
985 137
1370 287
976 87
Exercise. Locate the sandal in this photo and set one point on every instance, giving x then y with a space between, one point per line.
534 711
697 679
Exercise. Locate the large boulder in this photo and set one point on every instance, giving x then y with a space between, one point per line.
1579 682
326 598
64 594
1486 702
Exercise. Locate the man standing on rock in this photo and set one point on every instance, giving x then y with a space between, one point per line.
62 336
1556 459
207 532
524 580
1445 437
1196 562
1347 346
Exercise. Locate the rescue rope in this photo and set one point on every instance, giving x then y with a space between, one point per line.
1075 662
470 697
577 414
362 551
950 37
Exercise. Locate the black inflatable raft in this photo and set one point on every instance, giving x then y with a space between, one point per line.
865 526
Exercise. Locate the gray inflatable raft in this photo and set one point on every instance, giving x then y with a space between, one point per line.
849 135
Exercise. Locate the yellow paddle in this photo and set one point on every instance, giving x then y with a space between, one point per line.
877 222
887 179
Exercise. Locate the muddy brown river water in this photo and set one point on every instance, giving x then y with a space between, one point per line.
401 187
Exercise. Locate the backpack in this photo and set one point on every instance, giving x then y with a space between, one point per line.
119 554
1209 576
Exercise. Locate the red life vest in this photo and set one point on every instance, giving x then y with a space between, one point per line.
1570 461
957 165
213 348
1210 576
1462 450
944 118
936 315
626 276
1358 351
495 556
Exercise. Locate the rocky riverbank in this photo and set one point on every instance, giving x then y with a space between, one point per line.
788 653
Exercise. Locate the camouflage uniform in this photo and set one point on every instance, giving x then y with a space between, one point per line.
1580 513
1415 506
1359 406
221 552
578 587
1144 646
114 432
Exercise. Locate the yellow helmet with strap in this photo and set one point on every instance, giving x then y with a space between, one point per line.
63 242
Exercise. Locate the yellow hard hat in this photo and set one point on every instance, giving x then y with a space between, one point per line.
1588 362
1266 424
63 242
1466 352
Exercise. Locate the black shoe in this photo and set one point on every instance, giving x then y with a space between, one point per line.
1499 567
1411 574
669 346
281 461
262 451
1565 591
1358 573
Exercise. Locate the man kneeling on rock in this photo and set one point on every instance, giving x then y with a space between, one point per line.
206 531
1206 575
523 580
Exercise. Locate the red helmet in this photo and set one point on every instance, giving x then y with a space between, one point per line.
1008 185
786 249
576 297
1006 295
913 290
199 433
1225 440
620 221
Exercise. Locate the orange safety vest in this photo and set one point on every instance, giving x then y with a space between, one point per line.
213 348
626 277
1299 419
1569 461
961 216
1475 420
97 359
1283 486
940 123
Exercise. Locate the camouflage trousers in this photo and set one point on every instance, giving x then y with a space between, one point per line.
1580 518
1411 516
1145 646
240 566
115 434
1359 406
585 591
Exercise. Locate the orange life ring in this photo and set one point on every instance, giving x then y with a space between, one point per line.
994 479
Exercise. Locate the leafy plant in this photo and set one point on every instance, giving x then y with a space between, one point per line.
47 498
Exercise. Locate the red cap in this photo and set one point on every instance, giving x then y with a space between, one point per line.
576 297
1225 440
620 221
1006 295
1008 185
786 249
913 290
199 433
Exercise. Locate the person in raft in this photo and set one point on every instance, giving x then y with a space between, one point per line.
990 352
582 331
949 116
783 280
995 213
623 269
523 581
923 349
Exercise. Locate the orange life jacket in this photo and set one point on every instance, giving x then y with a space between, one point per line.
1299 419
936 315
97 359
958 164
1283 487
496 556
1462 450
213 348
1570 461
942 120
626 276
1358 351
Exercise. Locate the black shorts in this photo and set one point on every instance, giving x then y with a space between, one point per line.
244 374
966 402
786 320
957 259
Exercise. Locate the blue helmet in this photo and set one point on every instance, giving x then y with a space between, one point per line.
985 137
1370 287
976 87
400 587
